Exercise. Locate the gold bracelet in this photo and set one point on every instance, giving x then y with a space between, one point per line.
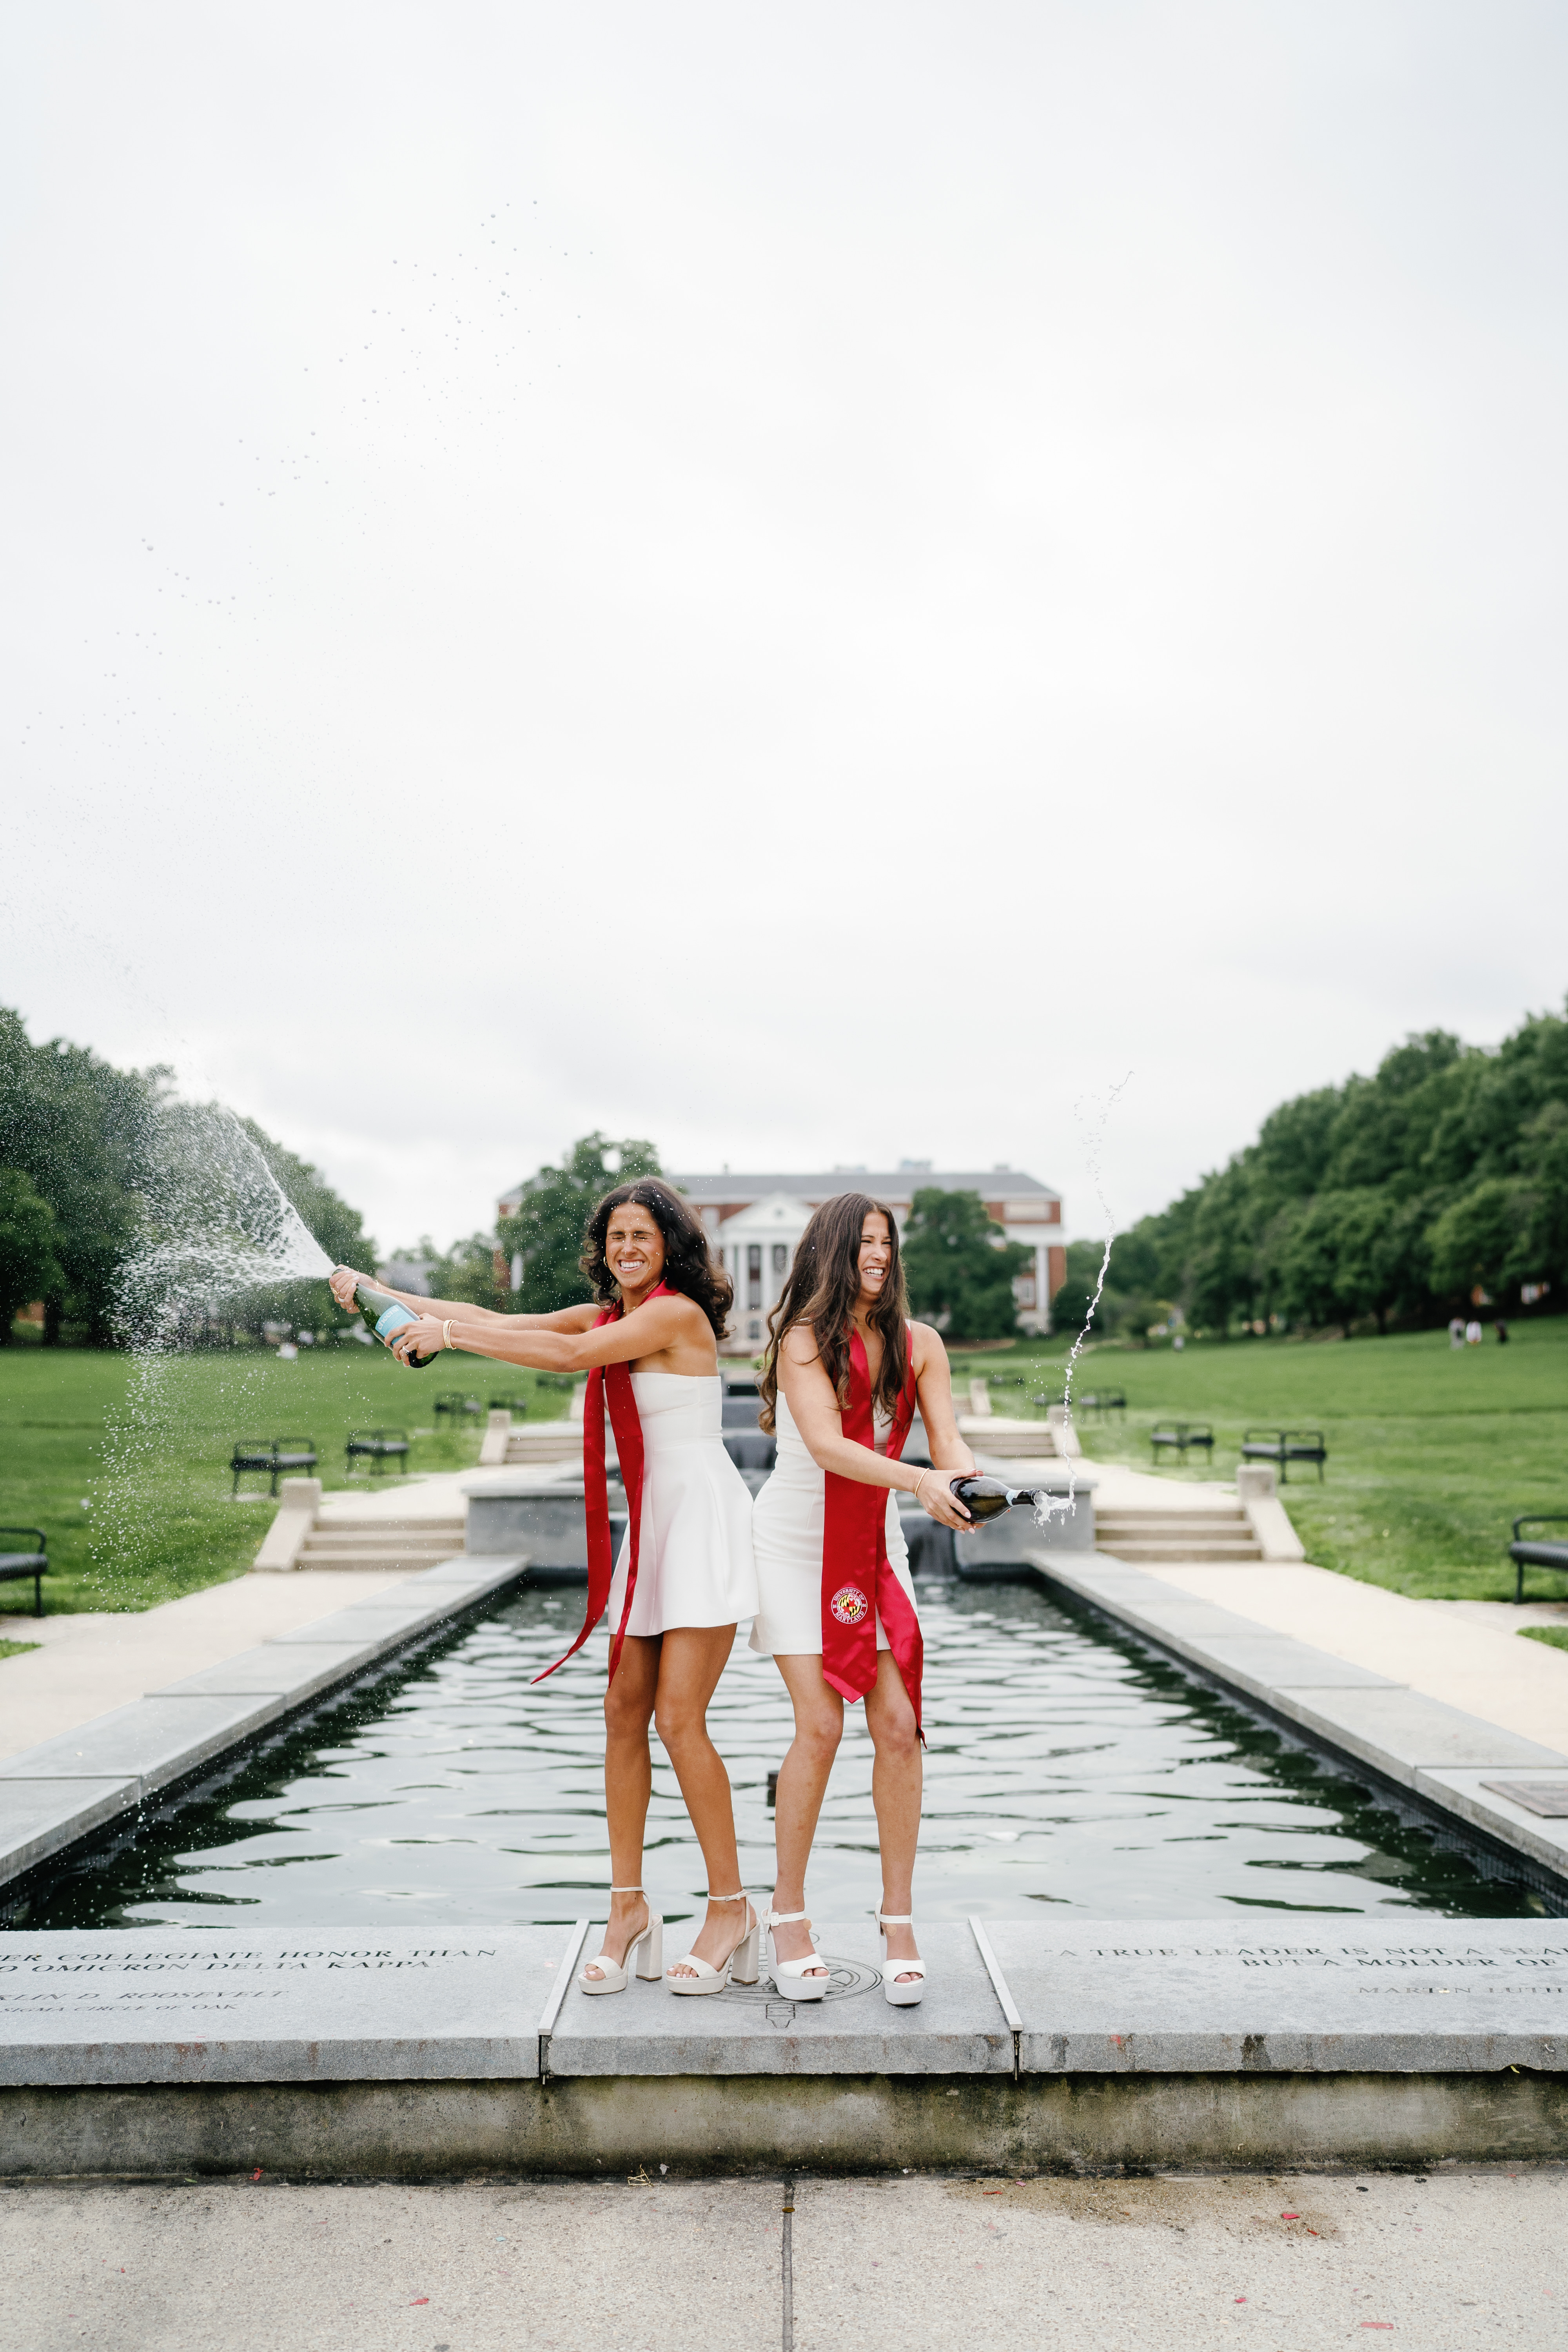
446 1335
920 1482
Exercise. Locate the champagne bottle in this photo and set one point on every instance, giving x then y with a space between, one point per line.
987 1498
386 1317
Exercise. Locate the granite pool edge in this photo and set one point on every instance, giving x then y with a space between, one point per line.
68 1787
1334 1706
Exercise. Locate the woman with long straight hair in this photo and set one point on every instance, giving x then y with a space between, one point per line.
844 1371
685 1577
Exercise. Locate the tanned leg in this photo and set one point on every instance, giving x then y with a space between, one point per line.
628 1783
694 1656
802 1785
896 1794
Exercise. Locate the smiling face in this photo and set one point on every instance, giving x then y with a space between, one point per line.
875 1256
633 1246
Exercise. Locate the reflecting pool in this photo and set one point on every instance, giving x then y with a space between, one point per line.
1066 1767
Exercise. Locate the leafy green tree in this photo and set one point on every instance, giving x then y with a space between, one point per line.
28 1266
548 1227
1483 1238
960 1267
79 1129
467 1270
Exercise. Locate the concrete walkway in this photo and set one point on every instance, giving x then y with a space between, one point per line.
91 1662
914 2264
1429 1645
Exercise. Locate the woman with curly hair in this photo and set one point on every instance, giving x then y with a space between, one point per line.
843 1374
685 1577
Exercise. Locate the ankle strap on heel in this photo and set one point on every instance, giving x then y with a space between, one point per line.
628 1890
784 1919
895 1918
740 1896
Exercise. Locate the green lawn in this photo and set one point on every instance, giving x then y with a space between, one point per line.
125 1466
1432 1450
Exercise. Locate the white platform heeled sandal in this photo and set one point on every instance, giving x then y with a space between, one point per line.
903 1996
648 1947
790 1977
739 1962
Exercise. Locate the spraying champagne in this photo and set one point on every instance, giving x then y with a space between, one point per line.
386 1317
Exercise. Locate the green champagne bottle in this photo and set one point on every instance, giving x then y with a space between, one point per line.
987 1498
386 1317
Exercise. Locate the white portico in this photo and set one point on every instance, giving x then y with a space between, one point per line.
757 1248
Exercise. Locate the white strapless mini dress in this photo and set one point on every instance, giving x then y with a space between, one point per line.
786 1537
694 1560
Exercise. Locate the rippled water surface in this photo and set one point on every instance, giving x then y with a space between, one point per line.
1065 1768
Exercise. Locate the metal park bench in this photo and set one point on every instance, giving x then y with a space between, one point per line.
1551 1553
34 1563
270 1457
1180 1435
1099 1401
456 1406
376 1447
1285 1447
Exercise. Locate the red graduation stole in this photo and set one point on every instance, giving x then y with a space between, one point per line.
610 1384
858 1580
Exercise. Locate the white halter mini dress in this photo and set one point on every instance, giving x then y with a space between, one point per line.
786 1535
694 1561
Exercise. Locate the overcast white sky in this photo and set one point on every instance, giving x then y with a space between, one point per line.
819 584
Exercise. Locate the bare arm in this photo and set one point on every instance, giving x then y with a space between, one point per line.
566 1319
671 1328
811 1399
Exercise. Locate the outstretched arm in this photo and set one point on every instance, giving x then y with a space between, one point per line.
566 1319
665 1324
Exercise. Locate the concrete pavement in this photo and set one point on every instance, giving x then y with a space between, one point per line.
1287 2263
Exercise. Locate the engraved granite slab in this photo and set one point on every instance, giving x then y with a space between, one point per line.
1290 1996
38 1817
230 2006
958 2029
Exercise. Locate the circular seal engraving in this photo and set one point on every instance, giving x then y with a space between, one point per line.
844 1978
850 1605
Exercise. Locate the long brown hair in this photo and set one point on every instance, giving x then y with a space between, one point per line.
823 1286
689 1264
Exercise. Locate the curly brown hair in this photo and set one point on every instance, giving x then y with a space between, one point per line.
689 1264
824 1284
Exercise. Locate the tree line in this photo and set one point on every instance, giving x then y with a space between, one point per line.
1393 1200
77 1163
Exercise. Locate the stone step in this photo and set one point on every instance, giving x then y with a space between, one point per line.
1199 1548
1162 1530
334 1529
558 1441
382 1556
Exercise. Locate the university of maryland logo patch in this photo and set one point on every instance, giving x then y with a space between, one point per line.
850 1605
